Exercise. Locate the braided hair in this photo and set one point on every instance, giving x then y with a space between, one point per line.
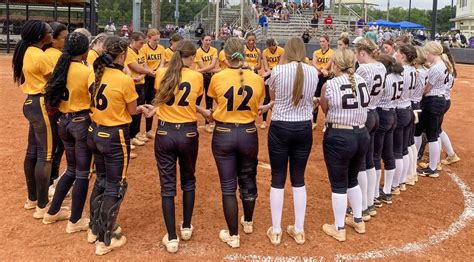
33 32
234 49
75 44
113 46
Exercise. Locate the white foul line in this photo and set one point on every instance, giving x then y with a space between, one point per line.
460 223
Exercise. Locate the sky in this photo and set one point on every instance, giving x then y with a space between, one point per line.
420 4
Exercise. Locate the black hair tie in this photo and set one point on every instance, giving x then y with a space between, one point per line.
107 59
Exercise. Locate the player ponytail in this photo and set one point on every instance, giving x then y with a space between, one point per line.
369 47
234 50
75 44
33 32
421 58
295 50
344 59
113 47
447 52
436 49
410 53
98 42
391 65
172 75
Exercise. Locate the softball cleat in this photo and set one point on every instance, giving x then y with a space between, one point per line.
186 233
263 125
92 238
299 237
40 212
248 226
358 227
232 241
142 137
62 214
403 187
330 230
395 190
30 204
102 249
275 238
172 245
372 211
427 172
386 198
451 159
81 225
137 142
366 215
150 134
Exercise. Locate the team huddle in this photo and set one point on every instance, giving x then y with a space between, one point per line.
86 98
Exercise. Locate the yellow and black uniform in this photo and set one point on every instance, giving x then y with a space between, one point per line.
167 55
36 70
222 58
53 55
251 56
73 125
134 56
154 58
273 58
322 59
91 57
235 138
206 58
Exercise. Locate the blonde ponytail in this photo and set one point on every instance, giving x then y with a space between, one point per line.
448 64
295 51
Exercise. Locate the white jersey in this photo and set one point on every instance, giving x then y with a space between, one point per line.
343 107
449 86
282 82
392 91
409 85
421 79
374 75
438 77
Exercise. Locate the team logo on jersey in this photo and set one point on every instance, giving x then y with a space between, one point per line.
323 59
252 55
273 59
141 60
154 57
207 58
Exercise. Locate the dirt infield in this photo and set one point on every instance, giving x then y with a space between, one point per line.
423 211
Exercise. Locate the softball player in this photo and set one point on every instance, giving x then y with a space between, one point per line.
31 69
68 91
406 55
114 100
270 58
321 59
374 74
434 105
96 48
136 62
54 51
206 60
344 100
174 40
223 64
253 56
451 157
383 137
290 137
238 94
177 139
154 54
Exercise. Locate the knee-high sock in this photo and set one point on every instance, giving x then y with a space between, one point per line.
414 160
354 195
418 142
377 183
406 165
387 180
276 207
397 174
410 162
339 206
299 201
446 142
435 152
362 179
371 186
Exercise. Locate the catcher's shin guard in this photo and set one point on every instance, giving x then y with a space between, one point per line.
97 197
108 217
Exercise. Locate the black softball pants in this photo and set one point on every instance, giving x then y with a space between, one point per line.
267 98
289 142
73 129
136 119
58 149
176 142
41 146
448 106
401 134
344 151
430 118
383 139
149 96
372 124
321 82
235 150
209 101
111 149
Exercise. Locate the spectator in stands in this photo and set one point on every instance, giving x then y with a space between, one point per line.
456 43
285 14
463 39
263 22
314 24
224 32
344 33
361 23
238 33
110 28
199 31
371 34
306 37
328 24
320 7
124 31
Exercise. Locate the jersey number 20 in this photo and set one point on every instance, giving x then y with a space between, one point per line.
362 93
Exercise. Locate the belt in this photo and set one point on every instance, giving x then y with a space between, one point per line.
117 126
339 126
176 125
386 109
408 107
74 114
236 124
436 96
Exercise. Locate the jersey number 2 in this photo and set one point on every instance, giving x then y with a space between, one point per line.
186 86
244 104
